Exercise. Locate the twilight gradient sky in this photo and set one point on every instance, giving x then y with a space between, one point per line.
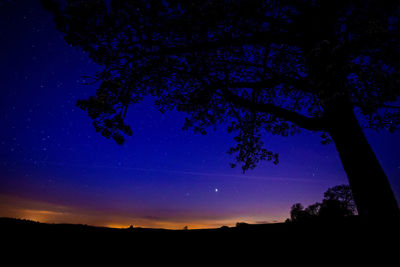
54 167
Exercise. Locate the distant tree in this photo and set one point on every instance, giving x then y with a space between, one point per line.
342 194
313 210
297 213
332 209
338 203
260 66
300 214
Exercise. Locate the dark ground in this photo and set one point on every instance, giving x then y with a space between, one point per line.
352 242
353 237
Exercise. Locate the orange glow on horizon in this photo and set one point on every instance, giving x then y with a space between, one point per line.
20 208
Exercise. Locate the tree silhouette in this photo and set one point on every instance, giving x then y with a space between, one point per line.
338 203
297 213
261 66
342 194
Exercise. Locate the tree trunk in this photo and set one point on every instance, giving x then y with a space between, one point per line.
369 184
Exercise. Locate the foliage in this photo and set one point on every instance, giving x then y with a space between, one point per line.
256 66
342 194
338 202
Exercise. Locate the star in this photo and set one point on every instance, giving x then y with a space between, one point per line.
216 190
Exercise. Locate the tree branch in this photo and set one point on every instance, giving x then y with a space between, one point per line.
257 38
312 124
275 80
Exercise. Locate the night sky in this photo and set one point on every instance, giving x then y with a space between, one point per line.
54 167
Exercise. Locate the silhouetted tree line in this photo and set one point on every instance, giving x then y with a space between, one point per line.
338 203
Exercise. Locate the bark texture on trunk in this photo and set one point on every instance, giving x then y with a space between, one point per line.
370 187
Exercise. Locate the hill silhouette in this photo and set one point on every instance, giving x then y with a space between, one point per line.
339 237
